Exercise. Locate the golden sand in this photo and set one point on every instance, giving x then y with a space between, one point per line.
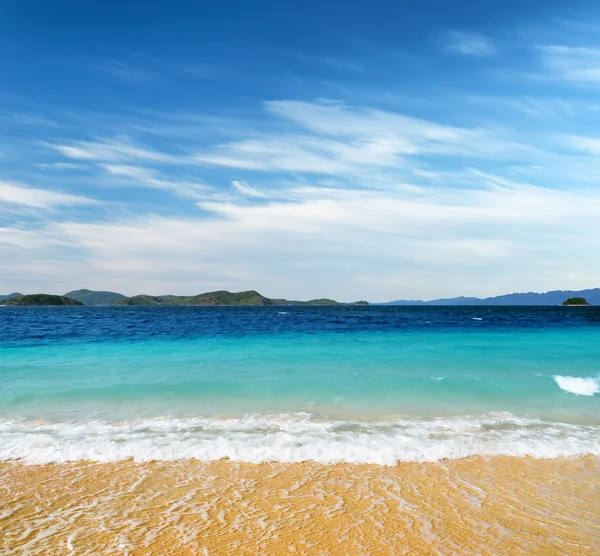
477 506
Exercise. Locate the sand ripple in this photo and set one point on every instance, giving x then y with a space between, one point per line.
480 506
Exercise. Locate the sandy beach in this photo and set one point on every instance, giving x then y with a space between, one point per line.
477 505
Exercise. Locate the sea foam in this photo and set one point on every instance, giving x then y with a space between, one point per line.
578 385
294 438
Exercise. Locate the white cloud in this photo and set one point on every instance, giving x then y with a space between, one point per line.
342 120
542 107
247 190
303 154
62 166
589 145
143 177
468 44
16 194
576 64
111 151
341 139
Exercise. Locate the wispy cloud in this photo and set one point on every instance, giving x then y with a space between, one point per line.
344 64
302 154
30 120
588 145
552 108
247 190
110 150
17 194
576 64
341 139
123 72
194 69
61 166
468 44
139 176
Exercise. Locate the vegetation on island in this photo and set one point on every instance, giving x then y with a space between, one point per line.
89 297
224 298
142 300
40 299
576 302
217 298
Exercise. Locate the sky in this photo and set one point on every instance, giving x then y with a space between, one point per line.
354 150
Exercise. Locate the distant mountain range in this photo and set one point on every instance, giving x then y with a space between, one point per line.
556 297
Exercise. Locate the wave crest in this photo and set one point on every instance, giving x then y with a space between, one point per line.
578 385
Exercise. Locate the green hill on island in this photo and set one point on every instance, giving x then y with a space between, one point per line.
143 300
89 297
576 302
40 299
217 298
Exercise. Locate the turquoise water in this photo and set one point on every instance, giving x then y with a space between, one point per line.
260 384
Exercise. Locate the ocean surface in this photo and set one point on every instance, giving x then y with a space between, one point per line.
326 384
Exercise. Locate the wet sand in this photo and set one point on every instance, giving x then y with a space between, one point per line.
480 506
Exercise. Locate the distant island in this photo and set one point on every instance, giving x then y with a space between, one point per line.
209 299
576 302
40 299
253 298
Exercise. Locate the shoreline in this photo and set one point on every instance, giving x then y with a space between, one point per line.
476 505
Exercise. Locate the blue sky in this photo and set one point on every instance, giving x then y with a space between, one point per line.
354 150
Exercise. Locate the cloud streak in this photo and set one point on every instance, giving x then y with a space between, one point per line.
468 44
17 194
573 64
122 72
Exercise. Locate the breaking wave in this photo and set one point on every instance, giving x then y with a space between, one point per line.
294 438
578 385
